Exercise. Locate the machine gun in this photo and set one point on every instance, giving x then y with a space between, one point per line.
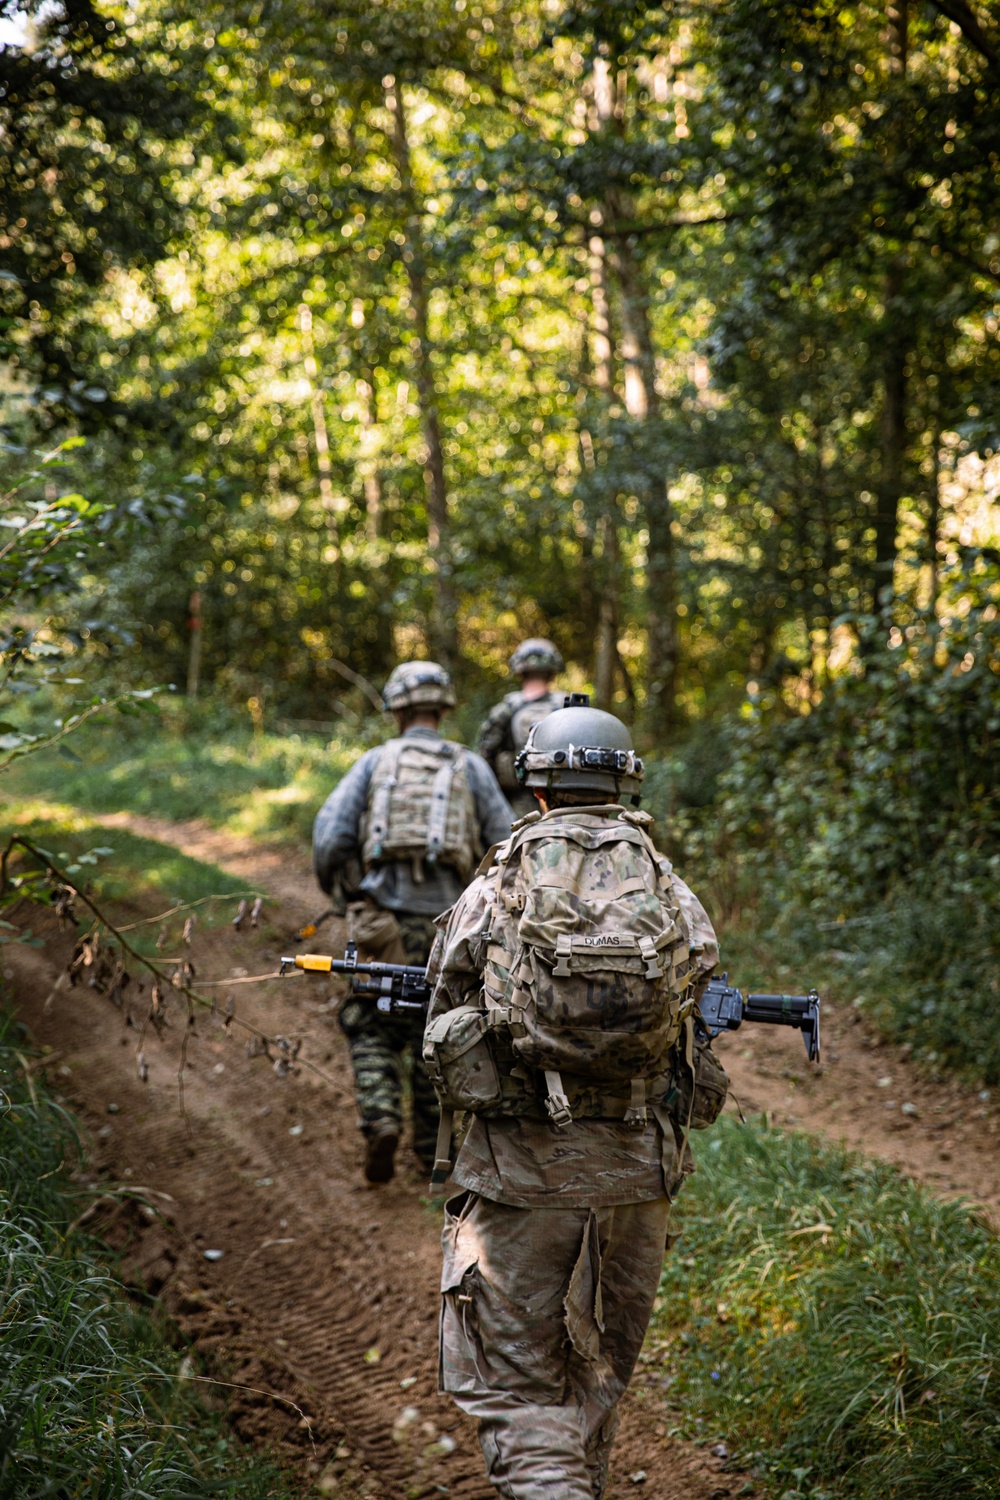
723 1008
396 988
403 987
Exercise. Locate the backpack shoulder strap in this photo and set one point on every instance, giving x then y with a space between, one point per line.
453 758
383 779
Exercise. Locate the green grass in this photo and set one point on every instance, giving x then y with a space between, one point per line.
831 1321
117 866
91 1399
267 786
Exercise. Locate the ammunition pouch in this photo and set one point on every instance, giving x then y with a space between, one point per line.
699 1086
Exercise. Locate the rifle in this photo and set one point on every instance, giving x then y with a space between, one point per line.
723 1008
404 987
398 988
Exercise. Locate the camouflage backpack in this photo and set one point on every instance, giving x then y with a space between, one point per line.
509 725
587 963
420 807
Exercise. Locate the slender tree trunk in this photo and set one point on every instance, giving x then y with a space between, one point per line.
934 519
892 477
662 650
443 626
606 651
195 628
608 567
643 402
321 436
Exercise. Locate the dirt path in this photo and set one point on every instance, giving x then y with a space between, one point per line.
291 1277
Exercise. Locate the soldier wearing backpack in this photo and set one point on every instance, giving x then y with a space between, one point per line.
504 733
562 1022
394 844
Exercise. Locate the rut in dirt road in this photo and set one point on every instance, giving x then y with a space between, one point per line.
326 1291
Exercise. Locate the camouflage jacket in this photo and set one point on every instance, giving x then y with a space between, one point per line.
523 1161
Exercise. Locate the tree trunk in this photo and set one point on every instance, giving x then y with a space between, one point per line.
934 520
607 568
368 445
195 627
643 403
662 648
443 626
892 476
606 649
321 437
893 469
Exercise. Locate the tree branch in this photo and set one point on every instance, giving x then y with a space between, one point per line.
965 17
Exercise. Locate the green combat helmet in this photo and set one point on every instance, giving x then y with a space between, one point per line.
418 684
536 655
580 749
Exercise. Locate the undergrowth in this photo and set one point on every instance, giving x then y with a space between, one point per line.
832 1322
92 1402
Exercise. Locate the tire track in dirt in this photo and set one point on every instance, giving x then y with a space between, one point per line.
326 1291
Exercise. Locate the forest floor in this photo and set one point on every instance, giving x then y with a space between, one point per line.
321 1309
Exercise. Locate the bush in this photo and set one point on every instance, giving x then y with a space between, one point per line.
877 817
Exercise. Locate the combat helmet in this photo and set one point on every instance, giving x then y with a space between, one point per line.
418 684
583 749
536 655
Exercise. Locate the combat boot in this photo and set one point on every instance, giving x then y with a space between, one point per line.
382 1138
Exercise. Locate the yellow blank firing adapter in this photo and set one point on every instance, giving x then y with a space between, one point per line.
315 963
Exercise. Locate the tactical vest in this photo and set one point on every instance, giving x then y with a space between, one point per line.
587 975
420 807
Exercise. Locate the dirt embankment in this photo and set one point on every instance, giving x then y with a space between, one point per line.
313 1294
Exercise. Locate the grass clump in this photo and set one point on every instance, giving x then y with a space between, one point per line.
90 1399
832 1321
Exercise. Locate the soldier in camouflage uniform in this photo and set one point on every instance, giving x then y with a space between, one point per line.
553 1247
394 844
503 733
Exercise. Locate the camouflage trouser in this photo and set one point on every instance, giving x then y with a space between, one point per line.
543 1314
379 1044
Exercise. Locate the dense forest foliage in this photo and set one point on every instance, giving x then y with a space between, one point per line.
670 331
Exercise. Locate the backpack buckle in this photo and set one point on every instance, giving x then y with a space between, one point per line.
647 950
564 953
556 1102
637 1115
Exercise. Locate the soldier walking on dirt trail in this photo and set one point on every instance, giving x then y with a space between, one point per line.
397 841
504 731
562 1022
